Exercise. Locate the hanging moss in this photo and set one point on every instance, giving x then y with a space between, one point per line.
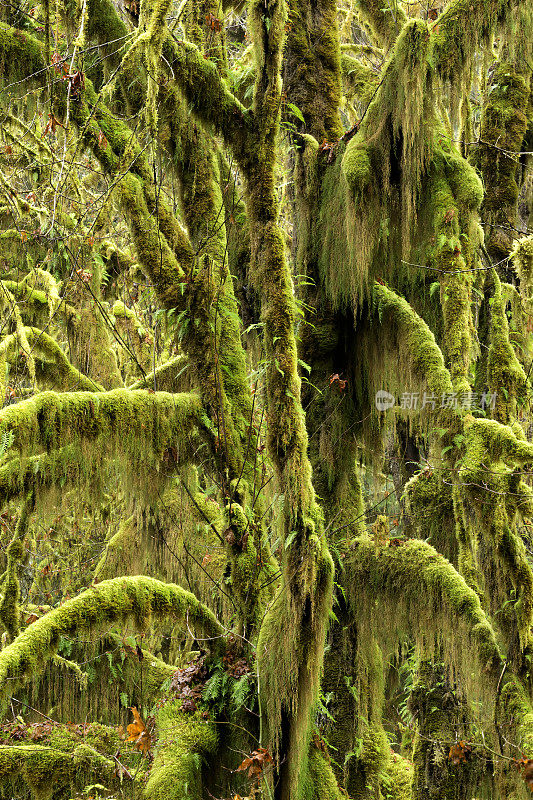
359 81
506 376
462 30
52 365
16 49
441 723
413 334
10 603
502 559
139 339
108 424
136 598
385 21
167 376
45 474
396 575
89 329
523 263
429 504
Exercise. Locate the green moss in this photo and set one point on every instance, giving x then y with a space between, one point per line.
462 30
135 598
10 603
397 781
413 334
52 365
449 220
440 723
111 423
49 771
42 473
319 781
507 573
166 377
210 98
523 263
183 741
503 125
41 768
399 578
506 376
357 168
89 332
359 81
312 69
16 49
385 23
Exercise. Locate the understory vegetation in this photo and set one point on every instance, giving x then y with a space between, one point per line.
266 439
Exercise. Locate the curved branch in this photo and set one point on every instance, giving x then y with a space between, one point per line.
421 593
116 600
413 334
147 434
210 98
47 349
404 577
166 375
48 419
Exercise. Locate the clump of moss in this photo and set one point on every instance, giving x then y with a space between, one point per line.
184 740
135 598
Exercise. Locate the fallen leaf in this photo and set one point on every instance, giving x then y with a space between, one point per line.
138 733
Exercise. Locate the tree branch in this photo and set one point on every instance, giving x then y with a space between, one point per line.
137 598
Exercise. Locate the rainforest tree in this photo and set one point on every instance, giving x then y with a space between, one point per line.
265 369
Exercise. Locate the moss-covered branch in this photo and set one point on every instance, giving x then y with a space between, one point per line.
9 605
423 587
166 376
139 599
289 663
210 98
504 124
54 369
183 741
16 48
420 593
463 29
66 466
385 19
44 770
413 334
143 431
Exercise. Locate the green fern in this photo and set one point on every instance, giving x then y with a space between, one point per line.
6 441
